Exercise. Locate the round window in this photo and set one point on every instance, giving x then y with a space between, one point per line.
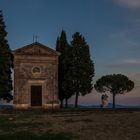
36 70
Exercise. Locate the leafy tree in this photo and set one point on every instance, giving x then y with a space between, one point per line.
82 67
63 83
115 84
5 63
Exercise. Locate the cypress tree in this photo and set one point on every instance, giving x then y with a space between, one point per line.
82 70
67 82
63 47
5 63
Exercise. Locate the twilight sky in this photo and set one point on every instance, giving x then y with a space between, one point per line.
111 28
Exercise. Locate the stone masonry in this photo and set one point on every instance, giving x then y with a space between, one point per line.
35 77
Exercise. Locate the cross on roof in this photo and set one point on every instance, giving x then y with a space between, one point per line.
35 37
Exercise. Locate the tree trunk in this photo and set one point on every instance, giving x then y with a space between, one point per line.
113 100
66 103
76 99
61 104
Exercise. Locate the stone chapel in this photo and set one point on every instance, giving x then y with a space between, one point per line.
35 77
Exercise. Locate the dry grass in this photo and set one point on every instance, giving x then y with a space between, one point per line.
72 124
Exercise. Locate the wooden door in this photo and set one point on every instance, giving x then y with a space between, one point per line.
36 95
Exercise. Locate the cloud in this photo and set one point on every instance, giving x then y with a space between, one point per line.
132 61
128 37
129 3
119 34
125 63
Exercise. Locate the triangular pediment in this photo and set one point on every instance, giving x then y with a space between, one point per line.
35 49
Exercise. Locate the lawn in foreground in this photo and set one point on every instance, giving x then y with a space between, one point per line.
70 125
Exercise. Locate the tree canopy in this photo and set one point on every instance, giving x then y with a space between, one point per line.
82 67
115 84
5 63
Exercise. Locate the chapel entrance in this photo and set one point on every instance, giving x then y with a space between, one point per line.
36 95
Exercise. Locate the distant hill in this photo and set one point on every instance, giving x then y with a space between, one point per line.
6 106
99 106
10 106
122 106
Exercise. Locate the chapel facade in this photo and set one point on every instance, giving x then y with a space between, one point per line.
35 77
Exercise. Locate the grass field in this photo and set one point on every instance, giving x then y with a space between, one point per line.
81 124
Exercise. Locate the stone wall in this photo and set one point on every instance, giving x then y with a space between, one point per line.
35 69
